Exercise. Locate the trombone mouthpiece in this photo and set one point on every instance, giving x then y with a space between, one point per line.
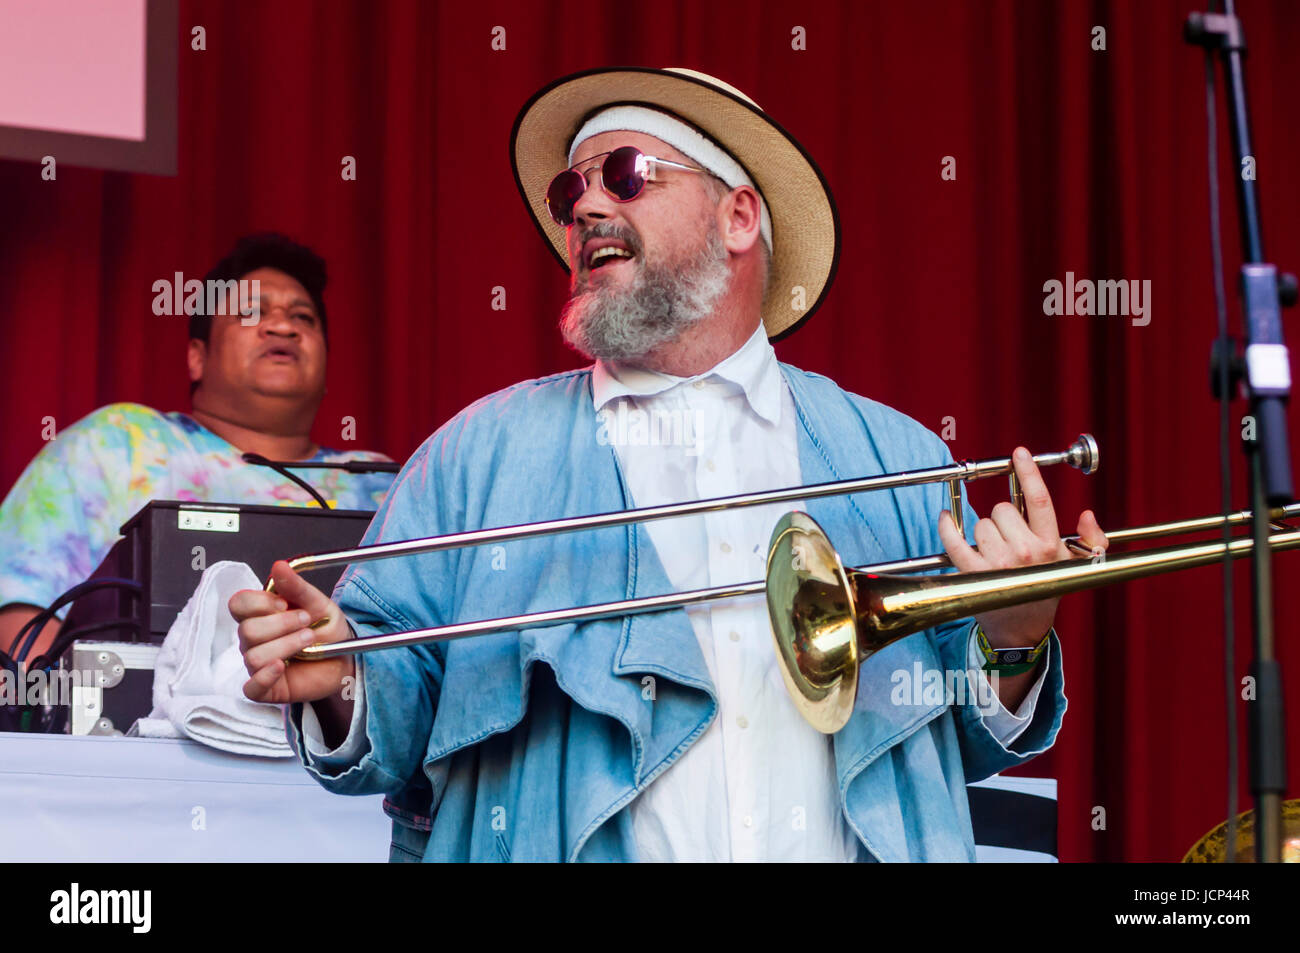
1084 454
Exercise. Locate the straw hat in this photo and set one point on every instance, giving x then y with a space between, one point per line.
805 226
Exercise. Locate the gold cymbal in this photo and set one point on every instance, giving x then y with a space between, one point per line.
1213 847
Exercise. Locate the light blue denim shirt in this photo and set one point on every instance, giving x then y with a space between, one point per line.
528 745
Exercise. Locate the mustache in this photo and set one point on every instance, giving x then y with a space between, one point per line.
613 230
580 283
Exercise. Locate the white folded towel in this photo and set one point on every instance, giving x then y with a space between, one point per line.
153 728
199 680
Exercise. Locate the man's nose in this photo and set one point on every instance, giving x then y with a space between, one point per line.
594 204
276 320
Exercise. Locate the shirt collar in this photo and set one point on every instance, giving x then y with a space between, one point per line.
753 367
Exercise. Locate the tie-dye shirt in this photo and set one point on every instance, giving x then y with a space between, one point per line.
63 515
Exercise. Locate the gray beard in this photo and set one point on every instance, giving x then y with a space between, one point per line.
625 323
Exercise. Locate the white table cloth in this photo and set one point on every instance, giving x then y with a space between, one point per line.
99 798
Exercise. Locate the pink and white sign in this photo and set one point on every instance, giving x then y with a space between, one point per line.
74 66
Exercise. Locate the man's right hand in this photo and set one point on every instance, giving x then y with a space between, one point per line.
274 626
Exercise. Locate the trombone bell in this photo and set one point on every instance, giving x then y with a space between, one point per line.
826 619
814 622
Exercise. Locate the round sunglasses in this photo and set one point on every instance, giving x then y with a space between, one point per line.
623 175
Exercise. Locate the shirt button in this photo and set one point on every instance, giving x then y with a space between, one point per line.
734 635
742 722
699 385
725 547
749 821
709 465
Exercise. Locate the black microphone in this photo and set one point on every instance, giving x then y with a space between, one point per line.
280 468
351 466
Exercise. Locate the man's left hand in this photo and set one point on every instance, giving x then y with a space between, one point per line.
1007 540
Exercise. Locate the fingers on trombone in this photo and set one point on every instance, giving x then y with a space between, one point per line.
1021 543
960 552
1076 546
1091 541
272 654
1038 502
254 602
262 628
260 685
994 551
1091 533
259 636
298 590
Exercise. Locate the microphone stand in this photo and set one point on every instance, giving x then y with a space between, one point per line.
351 466
283 469
1266 372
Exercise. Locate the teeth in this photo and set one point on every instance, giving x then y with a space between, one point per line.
607 251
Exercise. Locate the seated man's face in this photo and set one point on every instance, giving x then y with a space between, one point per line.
282 355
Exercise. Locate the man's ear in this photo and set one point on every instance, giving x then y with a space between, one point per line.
739 215
196 356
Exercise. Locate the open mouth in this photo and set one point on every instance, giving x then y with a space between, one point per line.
608 256
280 355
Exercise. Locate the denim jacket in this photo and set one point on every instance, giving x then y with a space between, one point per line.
527 745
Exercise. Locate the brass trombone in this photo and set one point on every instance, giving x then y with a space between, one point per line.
1083 455
828 619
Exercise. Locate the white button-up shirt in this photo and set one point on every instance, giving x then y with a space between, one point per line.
760 783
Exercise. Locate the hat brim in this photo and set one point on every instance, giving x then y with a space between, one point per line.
805 224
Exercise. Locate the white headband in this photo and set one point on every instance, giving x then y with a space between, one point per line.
689 142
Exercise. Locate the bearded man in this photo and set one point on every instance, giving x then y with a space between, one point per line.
690 222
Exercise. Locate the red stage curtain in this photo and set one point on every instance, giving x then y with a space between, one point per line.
1068 159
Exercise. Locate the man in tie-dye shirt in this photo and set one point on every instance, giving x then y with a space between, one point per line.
255 387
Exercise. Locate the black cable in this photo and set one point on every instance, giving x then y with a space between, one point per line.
7 661
65 639
15 647
46 718
19 647
1225 450
351 466
32 628
261 461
